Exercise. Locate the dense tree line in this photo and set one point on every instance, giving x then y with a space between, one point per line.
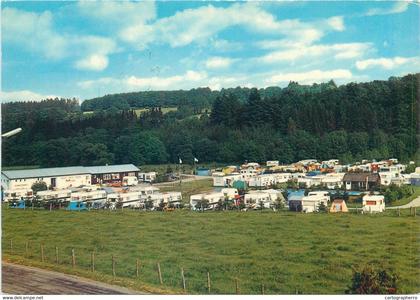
372 120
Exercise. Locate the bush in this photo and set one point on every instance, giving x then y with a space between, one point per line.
39 186
370 281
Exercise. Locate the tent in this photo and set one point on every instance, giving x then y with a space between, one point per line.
338 205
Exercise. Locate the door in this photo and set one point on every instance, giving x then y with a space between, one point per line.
53 182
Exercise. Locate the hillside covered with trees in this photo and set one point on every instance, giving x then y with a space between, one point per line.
373 120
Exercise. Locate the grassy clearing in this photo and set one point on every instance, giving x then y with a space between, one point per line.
189 188
311 253
165 110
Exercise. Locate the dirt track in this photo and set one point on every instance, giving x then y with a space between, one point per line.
22 280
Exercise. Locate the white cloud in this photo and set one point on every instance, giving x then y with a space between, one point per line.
337 51
120 12
308 77
398 7
218 62
386 63
336 23
204 23
35 33
95 62
188 80
24 95
225 45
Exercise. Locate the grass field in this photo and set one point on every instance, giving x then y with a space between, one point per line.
287 252
189 188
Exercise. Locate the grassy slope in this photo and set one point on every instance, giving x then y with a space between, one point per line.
313 253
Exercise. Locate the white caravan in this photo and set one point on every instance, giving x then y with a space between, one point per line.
10 195
254 198
60 195
373 203
130 180
231 193
212 198
97 198
311 202
127 199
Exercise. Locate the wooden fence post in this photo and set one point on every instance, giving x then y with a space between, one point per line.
27 249
50 206
399 212
262 289
42 253
113 266
237 286
415 211
159 273
93 261
137 268
208 282
56 255
183 280
73 258
11 246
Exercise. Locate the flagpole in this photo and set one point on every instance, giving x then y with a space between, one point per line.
179 170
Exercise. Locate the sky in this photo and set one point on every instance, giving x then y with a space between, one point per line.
88 49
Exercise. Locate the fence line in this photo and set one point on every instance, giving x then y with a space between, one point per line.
90 265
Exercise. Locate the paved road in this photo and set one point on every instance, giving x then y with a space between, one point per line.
414 203
18 280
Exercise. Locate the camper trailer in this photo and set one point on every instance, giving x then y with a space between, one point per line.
13 195
255 198
231 193
126 199
173 198
130 180
311 202
97 198
58 195
148 190
373 203
212 199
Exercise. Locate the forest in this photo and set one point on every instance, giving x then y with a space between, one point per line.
372 120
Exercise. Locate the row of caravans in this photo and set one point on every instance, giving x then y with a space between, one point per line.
252 200
100 198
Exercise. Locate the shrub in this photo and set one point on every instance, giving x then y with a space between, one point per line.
370 281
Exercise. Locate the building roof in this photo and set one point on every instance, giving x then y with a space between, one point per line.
53 172
112 169
372 177
46 172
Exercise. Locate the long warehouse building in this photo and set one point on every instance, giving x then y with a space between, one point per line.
62 178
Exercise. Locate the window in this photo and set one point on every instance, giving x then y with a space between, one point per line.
115 176
107 176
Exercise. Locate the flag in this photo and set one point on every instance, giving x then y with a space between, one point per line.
195 159
180 160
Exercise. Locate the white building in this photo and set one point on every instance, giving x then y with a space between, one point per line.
59 178
373 203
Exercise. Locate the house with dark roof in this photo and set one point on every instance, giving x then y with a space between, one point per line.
361 181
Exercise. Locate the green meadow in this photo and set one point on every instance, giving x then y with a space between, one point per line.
287 252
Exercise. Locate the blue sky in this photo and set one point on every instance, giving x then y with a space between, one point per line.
87 49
